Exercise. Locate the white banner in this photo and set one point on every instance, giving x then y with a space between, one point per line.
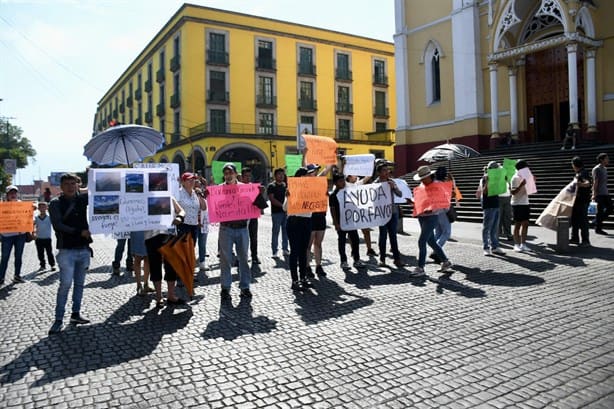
362 206
359 165
172 168
122 200
405 192
526 174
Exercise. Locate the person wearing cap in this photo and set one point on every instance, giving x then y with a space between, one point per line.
10 240
335 208
520 207
276 192
366 233
428 221
192 202
233 233
390 228
490 221
68 214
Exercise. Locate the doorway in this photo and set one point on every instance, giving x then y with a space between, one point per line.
544 122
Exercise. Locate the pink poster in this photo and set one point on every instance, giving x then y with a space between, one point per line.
431 197
232 202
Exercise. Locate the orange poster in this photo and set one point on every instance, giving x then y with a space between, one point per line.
321 150
307 194
16 217
431 197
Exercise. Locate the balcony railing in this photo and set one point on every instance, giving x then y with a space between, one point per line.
341 74
122 108
138 94
129 101
307 104
344 134
160 109
266 101
148 86
381 111
266 63
217 97
306 69
148 117
380 79
175 101
175 63
217 57
344 108
160 75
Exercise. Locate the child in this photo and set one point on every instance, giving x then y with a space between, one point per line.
42 224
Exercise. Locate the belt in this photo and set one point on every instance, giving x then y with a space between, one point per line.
234 225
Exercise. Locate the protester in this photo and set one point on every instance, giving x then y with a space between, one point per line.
252 224
192 202
119 252
299 233
276 191
233 233
43 230
428 220
68 214
10 240
318 229
141 262
203 232
520 207
600 191
390 228
47 195
339 183
579 212
443 229
490 222
505 213
366 233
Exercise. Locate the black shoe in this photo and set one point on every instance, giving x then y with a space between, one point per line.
52 268
255 260
76 318
320 271
585 244
246 293
599 231
225 294
18 279
435 258
574 241
306 283
55 328
178 301
296 286
371 253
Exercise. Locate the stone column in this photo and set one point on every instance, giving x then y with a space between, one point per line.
591 90
494 102
573 84
513 78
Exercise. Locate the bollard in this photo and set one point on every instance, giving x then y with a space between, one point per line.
562 234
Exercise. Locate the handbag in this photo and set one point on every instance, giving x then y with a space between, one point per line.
451 213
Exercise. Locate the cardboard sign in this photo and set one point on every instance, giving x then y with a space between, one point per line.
226 203
526 174
363 206
510 167
431 197
359 165
217 170
293 162
496 181
321 150
307 194
405 192
124 200
16 217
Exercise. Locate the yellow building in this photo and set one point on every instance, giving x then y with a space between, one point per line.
225 86
540 66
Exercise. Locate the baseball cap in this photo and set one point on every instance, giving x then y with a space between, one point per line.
188 176
312 167
229 165
11 187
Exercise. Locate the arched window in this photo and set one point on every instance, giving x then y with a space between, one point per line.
432 72
435 78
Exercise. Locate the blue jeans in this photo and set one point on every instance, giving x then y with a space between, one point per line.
73 266
279 222
490 227
227 238
8 242
443 229
202 246
427 236
389 229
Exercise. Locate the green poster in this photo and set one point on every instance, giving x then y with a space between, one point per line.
510 167
496 181
218 174
293 162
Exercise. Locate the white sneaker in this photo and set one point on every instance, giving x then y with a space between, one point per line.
445 266
202 266
487 252
524 247
498 250
275 255
517 247
417 272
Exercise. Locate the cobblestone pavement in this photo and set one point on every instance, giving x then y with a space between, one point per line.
524 330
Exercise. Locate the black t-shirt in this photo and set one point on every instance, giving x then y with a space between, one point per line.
583 194
69 220
333 203
279 192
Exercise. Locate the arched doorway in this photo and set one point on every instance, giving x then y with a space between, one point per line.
180 160
199 162
248 155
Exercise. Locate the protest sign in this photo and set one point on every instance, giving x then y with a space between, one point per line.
217 170
359 165
123 200
303 129
230 202
307 194
496 181
510 167
293 162
171 168
526 174
321 150
405 191
431 197
363 206
16 217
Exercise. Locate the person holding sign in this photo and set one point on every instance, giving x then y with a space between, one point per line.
276 191
390 228
318 229
10 240
192 201
492 184
353 180
520 205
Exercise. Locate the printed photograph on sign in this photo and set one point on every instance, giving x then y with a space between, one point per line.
106 204
108 182
158 182
158 205
134 182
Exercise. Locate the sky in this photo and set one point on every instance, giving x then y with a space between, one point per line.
59 57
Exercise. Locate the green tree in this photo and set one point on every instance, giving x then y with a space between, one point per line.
13 146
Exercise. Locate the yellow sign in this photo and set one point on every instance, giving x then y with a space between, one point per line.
307 194
16 217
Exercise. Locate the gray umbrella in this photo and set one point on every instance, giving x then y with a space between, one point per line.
448 151
123 144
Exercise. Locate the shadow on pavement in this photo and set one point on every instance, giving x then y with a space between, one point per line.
445 282
237 321
79 349
490 277
328 301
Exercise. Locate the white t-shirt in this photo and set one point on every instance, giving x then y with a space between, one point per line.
521 197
